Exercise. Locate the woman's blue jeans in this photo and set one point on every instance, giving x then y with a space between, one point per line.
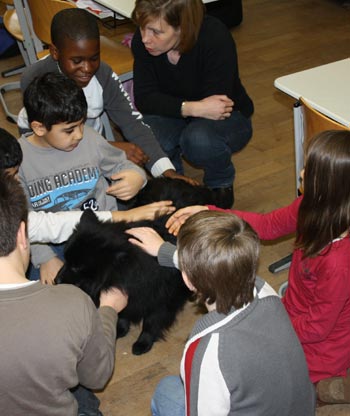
206 144
169 398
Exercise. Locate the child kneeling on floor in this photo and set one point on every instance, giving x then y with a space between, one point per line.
243 357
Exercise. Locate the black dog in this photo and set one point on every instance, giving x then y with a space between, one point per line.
99 256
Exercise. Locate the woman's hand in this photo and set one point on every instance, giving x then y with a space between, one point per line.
147 239
175 222
215 107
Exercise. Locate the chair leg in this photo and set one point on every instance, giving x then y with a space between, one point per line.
20 68
4 88
13 71
282 289
281 264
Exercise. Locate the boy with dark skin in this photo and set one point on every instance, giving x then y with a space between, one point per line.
75 51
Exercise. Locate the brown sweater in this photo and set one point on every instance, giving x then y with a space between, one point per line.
52 338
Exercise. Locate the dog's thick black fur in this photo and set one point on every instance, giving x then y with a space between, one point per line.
99 256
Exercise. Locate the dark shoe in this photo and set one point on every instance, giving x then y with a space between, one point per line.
88 403
223 197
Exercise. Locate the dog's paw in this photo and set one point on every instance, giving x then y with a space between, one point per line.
143 344
123 327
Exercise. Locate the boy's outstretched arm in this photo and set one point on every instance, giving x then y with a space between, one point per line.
56 227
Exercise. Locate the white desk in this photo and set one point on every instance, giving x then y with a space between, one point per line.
125 7
327 89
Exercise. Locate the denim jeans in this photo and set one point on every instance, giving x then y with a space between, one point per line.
169 398
206 144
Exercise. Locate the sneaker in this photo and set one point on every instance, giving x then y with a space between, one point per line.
224 197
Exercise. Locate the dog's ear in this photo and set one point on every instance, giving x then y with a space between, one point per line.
88 218
88 222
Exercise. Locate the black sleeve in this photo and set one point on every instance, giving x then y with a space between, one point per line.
149 98
210 68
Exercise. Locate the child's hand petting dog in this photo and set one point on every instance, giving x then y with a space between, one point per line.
179 218
127 184
147 239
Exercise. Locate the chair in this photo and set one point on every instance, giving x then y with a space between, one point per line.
18 24
42 12
12 25
313 122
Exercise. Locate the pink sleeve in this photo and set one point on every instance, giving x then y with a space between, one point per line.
274 224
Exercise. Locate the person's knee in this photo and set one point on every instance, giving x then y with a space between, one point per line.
205 150
198 144
166 130
170 386
169 397
198 135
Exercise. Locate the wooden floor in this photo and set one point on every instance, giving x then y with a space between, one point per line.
276 37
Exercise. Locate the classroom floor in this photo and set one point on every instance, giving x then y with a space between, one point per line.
275 38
